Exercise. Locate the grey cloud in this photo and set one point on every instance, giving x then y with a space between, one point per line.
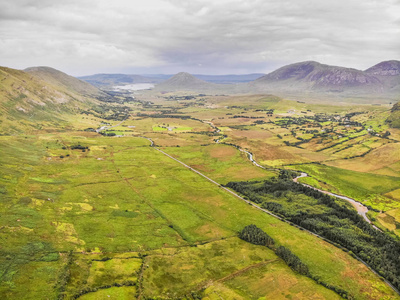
197 35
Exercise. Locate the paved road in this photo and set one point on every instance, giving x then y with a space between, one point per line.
222 187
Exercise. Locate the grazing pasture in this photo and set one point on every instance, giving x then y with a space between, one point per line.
90 216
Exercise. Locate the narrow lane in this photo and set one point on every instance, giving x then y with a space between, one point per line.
109 127
262 209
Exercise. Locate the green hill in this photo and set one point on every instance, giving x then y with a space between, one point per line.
68 83
394 118
28 102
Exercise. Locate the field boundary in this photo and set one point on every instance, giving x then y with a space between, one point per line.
266 211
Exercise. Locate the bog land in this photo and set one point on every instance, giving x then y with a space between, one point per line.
89 214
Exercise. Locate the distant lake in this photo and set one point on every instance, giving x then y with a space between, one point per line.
134 87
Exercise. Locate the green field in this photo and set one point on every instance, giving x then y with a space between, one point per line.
87 216
229 267
121 196
364 187
221 162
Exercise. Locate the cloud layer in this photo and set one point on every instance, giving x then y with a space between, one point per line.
198 36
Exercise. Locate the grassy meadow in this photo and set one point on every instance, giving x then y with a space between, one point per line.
120 215
365 187
86 216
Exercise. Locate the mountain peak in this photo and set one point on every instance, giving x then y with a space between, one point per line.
297 71
311 75
385 68
59 78
184 81
185 75
41 69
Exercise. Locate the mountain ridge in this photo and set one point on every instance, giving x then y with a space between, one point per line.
27 101
184 81
316 76
385 68
59 78
301 79
106 81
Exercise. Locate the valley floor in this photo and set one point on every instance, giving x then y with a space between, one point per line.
100 215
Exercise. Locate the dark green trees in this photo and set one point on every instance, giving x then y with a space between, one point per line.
292 260
256 236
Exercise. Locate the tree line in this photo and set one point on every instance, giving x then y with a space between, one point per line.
257 236
328 217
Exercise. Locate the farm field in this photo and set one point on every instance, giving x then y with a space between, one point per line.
365 187
282 133
102 213
220 162
199 150
292 135
99 215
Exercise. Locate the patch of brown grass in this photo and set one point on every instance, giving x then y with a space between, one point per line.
252 134
222 153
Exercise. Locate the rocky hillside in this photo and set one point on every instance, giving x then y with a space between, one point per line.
385 68
313 76
388 72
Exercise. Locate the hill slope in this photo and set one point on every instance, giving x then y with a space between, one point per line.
385 68
185 82
227 79
394 118
313 76
388 72
27 102
300 80
60 79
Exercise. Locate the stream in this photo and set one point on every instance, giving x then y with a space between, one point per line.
361 209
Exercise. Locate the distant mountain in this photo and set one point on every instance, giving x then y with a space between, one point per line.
106 81
60 79
28 102
300 80
228 79
110 80
313 76
388 72
385 68
185 82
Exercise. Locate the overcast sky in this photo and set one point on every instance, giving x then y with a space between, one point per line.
82 37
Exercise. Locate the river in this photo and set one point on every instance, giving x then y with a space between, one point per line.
361 209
